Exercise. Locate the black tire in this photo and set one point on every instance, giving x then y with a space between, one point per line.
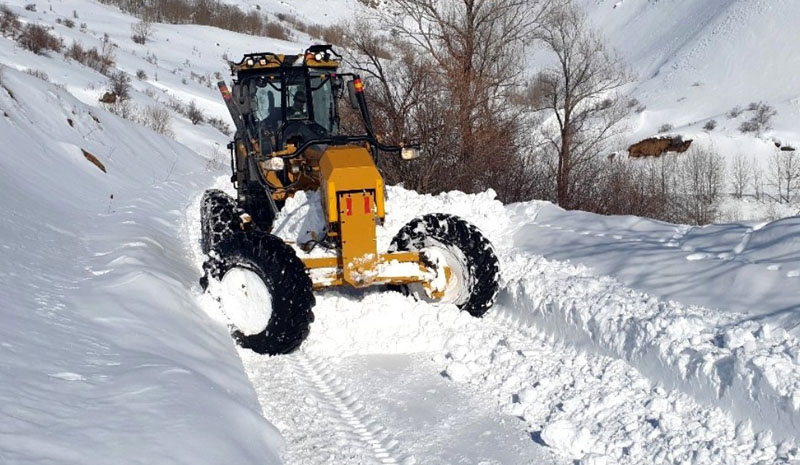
218 219
284 276
477 258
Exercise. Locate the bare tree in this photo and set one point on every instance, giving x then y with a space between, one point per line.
741 174
700 175
141 31
757 181
784 174
457 65
579 92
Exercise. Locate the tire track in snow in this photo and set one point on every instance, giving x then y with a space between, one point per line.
349 411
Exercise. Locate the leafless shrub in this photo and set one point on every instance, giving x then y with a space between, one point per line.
761 120
30 7
748 127
276 31
194 113
666 127
124 109
38 74
141 75
102 62
69 23
38 39
106 58
158 119
330 34
734 112
710 125
217 13
120 83
177 106
9 21
220 125
141 31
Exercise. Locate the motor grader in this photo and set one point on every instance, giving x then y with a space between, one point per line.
286 109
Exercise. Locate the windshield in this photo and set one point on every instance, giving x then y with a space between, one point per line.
268 103
276 99
323 102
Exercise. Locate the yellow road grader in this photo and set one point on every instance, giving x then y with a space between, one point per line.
288 139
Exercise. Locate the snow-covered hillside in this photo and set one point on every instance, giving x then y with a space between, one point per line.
614 340
696 60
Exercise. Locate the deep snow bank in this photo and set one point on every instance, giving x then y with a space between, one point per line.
745 363
739 352
105 356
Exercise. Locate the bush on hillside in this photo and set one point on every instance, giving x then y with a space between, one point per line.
194 113
38 39
120 85
9 21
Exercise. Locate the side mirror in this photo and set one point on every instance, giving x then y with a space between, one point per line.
409 153
351 93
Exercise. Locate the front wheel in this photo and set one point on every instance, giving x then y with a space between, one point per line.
449 241
264 289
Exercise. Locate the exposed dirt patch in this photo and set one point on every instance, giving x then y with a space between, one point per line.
657 146
94 160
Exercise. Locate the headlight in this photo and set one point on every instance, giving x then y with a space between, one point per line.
409 153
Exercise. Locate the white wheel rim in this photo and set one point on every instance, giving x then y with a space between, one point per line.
457 287
246 301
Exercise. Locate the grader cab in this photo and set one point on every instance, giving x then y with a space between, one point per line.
288 138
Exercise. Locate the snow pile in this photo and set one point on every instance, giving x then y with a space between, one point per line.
303 215
739 351
106 356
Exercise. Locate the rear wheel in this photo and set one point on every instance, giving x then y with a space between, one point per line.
218 218
447 240
265 291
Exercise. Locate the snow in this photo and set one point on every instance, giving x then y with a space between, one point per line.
613 340
695 61
633 374
106 356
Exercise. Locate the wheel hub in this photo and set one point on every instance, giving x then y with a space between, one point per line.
246 301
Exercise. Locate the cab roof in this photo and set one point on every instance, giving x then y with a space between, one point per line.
317 56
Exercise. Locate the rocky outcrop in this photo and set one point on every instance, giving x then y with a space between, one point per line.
657 146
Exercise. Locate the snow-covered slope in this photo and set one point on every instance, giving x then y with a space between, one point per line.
106 358
696 60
